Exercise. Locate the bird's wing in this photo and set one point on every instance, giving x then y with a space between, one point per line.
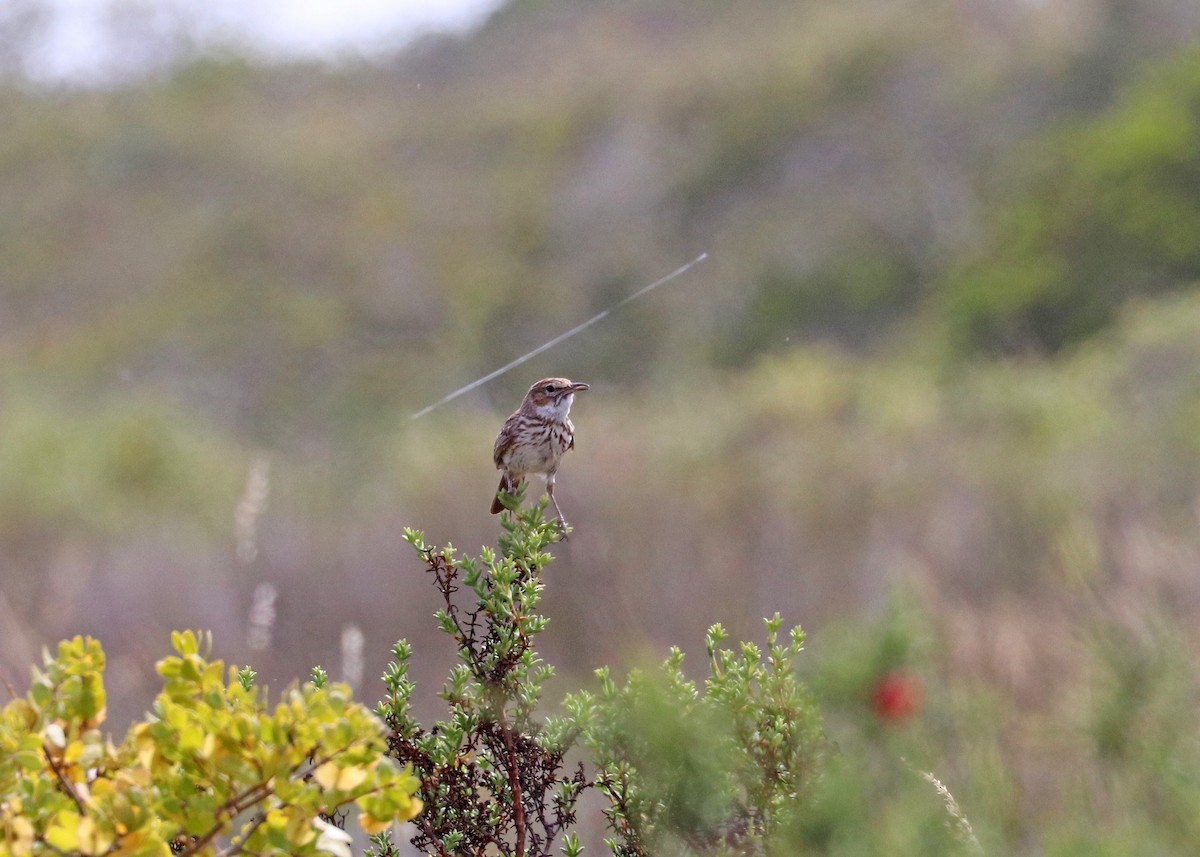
504 441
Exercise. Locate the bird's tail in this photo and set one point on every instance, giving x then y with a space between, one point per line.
507 486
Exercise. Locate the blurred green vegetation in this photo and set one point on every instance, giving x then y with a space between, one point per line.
947 343
234 233
1111 211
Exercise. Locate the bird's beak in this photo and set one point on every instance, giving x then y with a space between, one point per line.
579 387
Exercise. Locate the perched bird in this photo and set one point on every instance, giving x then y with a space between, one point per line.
534 438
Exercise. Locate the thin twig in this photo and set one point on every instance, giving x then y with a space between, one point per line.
12 693
196 845
239 847
234 807
67 785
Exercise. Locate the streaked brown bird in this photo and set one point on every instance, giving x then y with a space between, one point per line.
534 438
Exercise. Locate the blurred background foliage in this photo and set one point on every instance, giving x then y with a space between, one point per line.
945 354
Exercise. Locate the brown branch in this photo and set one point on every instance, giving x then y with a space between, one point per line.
239 847
7 686
235 806
67 785
512 763
196 845
230 810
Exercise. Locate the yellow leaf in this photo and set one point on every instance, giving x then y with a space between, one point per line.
136 778
184 642
132 843
92 840
299 832
61 834
85 832
20 837
146 748
277 819
330 776
372 825
209 746
190 737
351 778
21 714
326 775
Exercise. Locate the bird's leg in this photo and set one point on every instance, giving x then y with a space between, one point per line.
562 522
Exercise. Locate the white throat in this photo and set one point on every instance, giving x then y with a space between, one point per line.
558 409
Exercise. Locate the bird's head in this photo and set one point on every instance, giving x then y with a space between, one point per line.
552 397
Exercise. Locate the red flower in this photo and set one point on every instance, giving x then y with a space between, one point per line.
896 696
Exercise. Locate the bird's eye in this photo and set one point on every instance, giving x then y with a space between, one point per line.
550 388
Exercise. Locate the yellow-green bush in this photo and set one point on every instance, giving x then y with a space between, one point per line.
211 770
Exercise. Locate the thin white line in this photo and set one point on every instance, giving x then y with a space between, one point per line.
560 338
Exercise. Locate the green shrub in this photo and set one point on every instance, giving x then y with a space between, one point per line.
735 765
1112 211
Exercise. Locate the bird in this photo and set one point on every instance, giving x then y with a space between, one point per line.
534 439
